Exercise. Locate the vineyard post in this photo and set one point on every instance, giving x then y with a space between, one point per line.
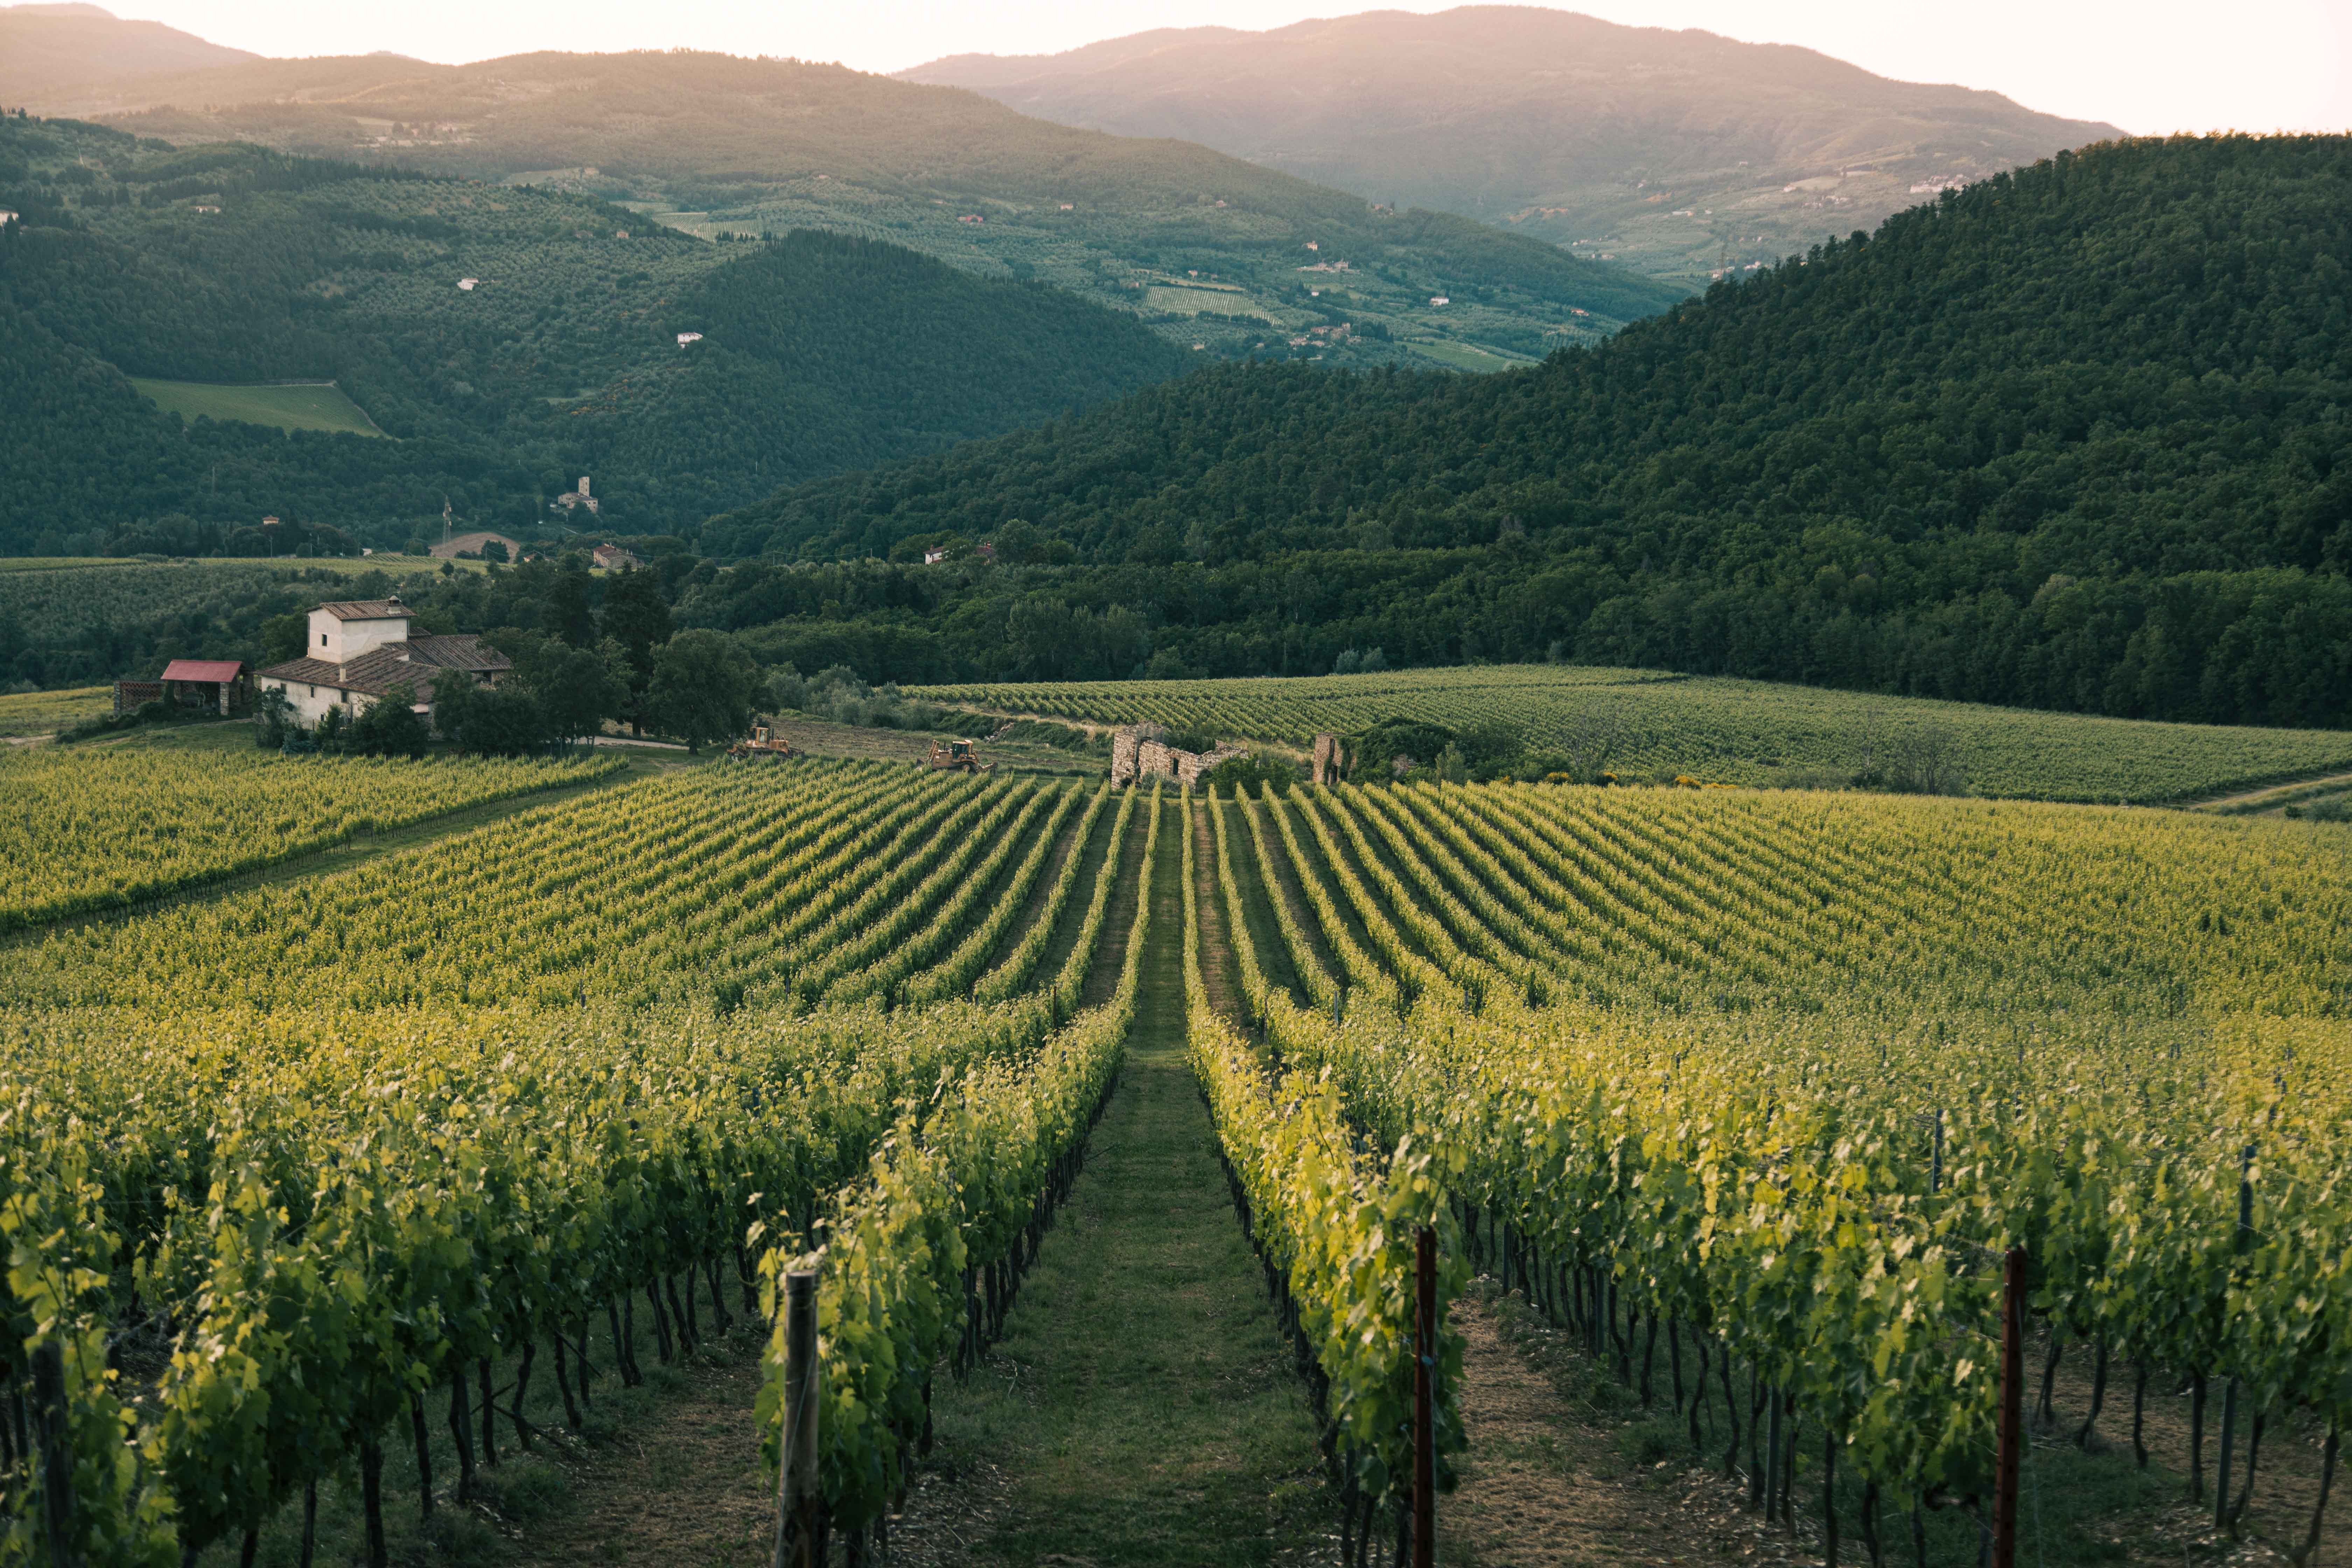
798 1493
1424 1403
54 1434
2012 1401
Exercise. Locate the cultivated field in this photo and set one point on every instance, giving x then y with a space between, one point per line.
98 827
1721 731
288 405
46 712
1734 1088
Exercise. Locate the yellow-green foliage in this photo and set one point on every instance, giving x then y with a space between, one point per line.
1733 732
338 1195
46 712
84 830
1792 1071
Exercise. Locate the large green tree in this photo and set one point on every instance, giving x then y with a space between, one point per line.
704 687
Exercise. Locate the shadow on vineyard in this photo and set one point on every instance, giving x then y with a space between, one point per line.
635 1481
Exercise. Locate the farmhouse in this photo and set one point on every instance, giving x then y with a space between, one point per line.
576 498
613 558
470 544
360 649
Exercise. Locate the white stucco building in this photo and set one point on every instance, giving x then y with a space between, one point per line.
359 649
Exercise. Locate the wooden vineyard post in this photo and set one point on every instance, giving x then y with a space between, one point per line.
52 1431
798 1494
1424 1404
2013 1400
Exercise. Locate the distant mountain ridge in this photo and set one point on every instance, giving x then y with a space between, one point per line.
43 46
1212 249
1669 151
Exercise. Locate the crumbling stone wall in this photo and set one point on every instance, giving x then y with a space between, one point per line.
1141 751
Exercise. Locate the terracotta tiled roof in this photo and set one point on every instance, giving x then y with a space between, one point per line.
210 671
367 610
414 663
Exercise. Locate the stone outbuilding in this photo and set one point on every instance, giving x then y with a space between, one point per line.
1141 751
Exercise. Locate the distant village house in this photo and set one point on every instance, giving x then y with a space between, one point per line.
686 337
613 558
577 498
359 649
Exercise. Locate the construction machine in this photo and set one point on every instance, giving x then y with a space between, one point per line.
767 742
959 757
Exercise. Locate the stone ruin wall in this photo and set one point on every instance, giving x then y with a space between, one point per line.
1139 751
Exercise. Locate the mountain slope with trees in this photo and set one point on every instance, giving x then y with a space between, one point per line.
1680 153
44 45
561 357
2079 437
1210 249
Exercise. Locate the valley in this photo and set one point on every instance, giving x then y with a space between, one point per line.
1479 787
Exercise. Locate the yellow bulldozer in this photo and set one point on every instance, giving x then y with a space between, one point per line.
767 742
959 757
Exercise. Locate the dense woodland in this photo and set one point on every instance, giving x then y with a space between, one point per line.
231 264
2076 437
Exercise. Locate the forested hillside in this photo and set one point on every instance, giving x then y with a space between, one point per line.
1679 153
2076 437
1212 250
511 340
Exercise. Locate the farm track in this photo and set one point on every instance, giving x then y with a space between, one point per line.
1140 1408
2270 795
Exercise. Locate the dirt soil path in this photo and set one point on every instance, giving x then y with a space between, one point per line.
684 1486
2278 793
1547 1483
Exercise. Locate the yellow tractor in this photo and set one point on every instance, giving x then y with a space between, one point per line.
767 742
959 757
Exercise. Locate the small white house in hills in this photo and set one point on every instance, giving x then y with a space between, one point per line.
359 649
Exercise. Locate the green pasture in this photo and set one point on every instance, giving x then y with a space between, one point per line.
288 405
1223 302
1465 356
46 712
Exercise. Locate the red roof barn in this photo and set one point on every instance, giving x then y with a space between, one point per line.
215 685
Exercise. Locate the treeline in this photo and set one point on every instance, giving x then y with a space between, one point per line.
2270 645
2079 437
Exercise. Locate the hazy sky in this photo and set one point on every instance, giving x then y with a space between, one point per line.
2146 65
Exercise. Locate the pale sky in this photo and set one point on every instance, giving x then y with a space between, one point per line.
2149 66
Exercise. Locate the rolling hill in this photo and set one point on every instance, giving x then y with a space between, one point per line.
1680 154
509 339
42 46
2074 437
1211 249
